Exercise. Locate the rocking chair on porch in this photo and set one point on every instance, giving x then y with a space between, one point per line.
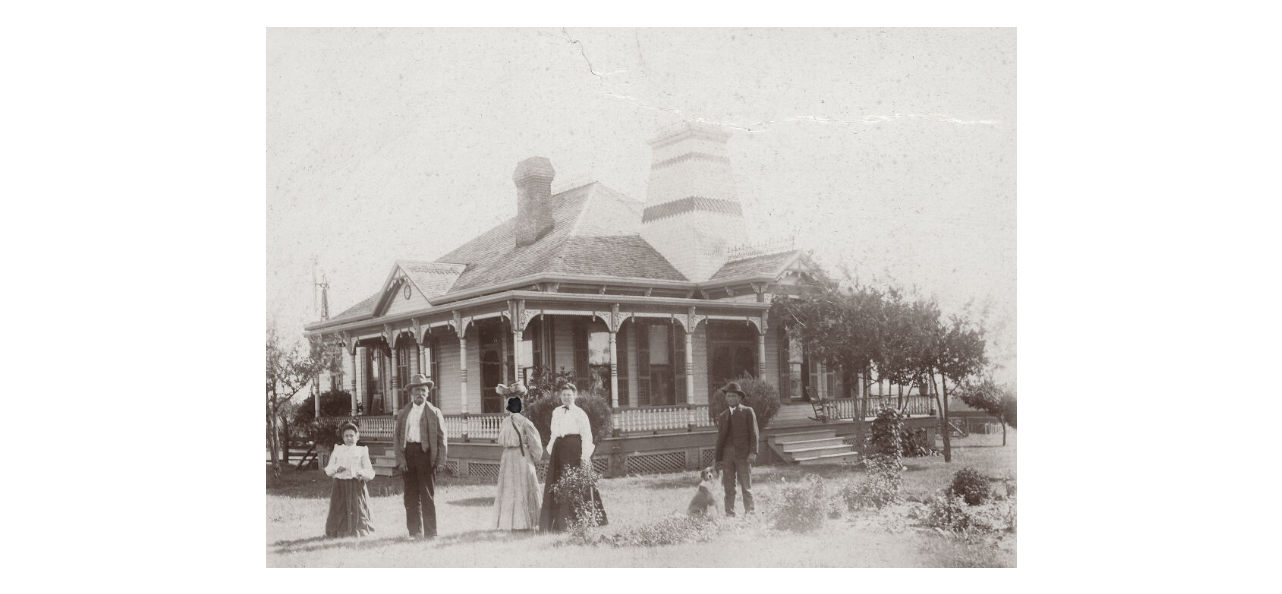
824 409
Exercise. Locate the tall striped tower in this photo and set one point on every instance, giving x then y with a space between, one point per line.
692 213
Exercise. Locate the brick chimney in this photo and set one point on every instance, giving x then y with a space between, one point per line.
533 179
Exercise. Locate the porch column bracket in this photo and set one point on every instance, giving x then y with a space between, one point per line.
349 342
527 315
613 318
460 323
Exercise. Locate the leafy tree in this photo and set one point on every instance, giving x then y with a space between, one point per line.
289 370
991 398
842 328
959 355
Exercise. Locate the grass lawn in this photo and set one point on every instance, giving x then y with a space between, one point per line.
296 511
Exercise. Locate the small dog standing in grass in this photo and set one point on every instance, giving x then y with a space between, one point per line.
704 503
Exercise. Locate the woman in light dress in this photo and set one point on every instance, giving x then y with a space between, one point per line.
516 503
349 501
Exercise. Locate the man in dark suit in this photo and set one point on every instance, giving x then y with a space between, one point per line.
421 446
736 447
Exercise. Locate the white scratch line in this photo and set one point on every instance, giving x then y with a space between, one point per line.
761 126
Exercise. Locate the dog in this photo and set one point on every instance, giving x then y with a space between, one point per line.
704 503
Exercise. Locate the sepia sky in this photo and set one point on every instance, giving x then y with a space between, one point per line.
889 151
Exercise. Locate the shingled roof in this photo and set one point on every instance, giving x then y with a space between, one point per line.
770 265
596 232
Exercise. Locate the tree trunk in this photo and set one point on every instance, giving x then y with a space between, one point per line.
943 411
273 440
1003 433
284 444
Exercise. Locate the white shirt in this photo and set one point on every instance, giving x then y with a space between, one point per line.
413 421
572 422
353 459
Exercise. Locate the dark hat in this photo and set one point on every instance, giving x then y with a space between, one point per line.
419 379
733 387
514 404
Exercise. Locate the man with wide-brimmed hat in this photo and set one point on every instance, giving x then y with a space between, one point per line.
736 446
421 445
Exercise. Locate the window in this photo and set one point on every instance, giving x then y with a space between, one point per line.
592 357
660 363
825 382
374 377
403 369
732 352
538 335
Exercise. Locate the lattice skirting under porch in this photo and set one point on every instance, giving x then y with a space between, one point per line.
707 457
652 463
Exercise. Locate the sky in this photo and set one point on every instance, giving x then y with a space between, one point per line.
888 151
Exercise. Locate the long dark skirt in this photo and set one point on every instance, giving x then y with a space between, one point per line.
555 515
348 509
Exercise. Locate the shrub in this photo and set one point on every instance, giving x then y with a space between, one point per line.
970 486
334 403
950 513
668 531
543 383
803 507
576 487
324 432
887 434
880 489
599 416
762 398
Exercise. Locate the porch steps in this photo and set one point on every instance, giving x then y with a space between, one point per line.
813 447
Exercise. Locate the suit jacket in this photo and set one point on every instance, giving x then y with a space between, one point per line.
739 430
431 429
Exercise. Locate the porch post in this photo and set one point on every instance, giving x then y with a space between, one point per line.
761 355
517 339
690 365
354 374
396 360
462 368
614 370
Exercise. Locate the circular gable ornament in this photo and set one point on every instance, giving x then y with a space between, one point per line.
406 291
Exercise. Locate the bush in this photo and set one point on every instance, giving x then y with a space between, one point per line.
887 434
324 432
599 415
762 398
668 531
803 507
334 403
880 489
576 486
971 486
947 512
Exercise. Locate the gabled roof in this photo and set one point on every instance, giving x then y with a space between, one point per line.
364 308
769 265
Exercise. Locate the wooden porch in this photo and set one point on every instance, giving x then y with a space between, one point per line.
666 438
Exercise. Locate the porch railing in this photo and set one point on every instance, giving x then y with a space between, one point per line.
661 418
645 420
915 405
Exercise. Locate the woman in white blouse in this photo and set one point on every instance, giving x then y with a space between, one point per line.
570 446
349 501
